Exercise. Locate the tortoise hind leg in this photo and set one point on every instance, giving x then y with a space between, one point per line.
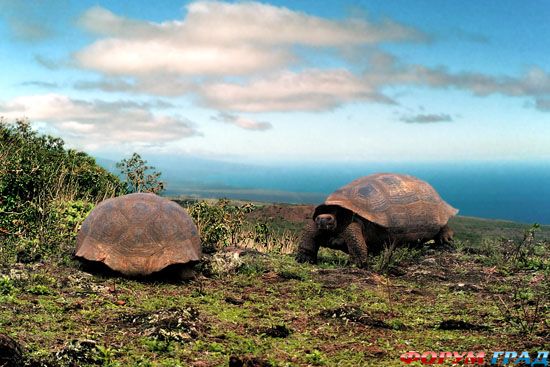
310 242
444 237
357 247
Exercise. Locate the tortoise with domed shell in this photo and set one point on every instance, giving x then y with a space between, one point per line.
374 210
140 234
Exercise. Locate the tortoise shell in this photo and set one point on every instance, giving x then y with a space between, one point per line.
401 203
138 234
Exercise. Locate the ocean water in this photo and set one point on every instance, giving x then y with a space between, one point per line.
505 190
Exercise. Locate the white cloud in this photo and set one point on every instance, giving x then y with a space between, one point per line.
267 24
242 122
241 55
310 90
103 22
100 123
159 85
533 82
217 38
136 57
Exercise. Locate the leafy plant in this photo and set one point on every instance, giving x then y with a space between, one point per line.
220 224
315 357
512 255
526 307
6 285
66 218
137 177
392 256
37 171
262 233
39 290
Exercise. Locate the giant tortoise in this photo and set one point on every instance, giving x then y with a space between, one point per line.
140 234
383 208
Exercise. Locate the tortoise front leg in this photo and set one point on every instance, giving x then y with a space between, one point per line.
310 242
357 247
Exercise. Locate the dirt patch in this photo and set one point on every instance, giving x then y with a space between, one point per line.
449 268
343 277
354 314
177 324
289 213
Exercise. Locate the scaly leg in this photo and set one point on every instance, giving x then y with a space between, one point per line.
357 247
310 242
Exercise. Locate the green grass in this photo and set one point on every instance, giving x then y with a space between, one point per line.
59 313
475 229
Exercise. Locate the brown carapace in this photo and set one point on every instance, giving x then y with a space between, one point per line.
377 209
139 234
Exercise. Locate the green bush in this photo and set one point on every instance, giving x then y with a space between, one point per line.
512 255
138 176
65 220
37 173
220 224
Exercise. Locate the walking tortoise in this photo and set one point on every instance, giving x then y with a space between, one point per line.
374 210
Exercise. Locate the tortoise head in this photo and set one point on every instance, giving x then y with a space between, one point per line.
326 222
325 217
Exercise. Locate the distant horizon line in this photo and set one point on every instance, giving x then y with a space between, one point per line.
268 162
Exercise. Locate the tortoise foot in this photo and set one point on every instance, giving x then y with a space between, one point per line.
302 257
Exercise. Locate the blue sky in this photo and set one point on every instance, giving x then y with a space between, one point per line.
284 80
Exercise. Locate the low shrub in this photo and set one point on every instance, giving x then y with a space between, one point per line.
45 190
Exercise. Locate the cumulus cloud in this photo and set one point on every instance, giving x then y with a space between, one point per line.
159 85
241 57
217 38
100 123
534 82
311 90
427 118
242 122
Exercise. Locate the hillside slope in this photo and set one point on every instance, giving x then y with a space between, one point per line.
271 311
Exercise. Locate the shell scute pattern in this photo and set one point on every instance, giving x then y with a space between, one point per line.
366 190
139 234
401 203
